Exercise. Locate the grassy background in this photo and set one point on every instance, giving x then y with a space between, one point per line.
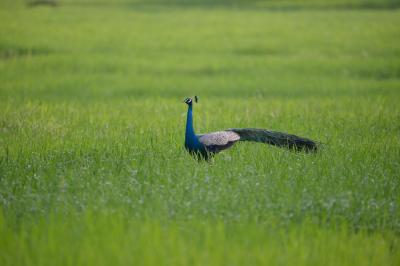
92 165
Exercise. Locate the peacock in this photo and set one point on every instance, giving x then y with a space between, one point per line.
204 146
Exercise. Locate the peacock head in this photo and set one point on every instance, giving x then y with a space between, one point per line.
189 101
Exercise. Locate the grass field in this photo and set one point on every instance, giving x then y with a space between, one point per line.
92 165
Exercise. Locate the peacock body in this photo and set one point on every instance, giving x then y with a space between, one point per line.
206 145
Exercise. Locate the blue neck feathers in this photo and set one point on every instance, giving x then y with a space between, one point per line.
191 139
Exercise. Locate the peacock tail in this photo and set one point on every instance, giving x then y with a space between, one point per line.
279 139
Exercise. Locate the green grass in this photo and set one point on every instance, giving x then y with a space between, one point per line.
115 240
92 165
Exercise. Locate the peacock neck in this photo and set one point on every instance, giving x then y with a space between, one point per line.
190 136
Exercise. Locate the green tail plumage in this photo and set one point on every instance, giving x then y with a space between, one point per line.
275 138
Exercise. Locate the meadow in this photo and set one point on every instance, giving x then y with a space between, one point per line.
92 165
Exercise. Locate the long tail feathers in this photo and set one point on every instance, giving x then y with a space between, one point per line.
279 139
